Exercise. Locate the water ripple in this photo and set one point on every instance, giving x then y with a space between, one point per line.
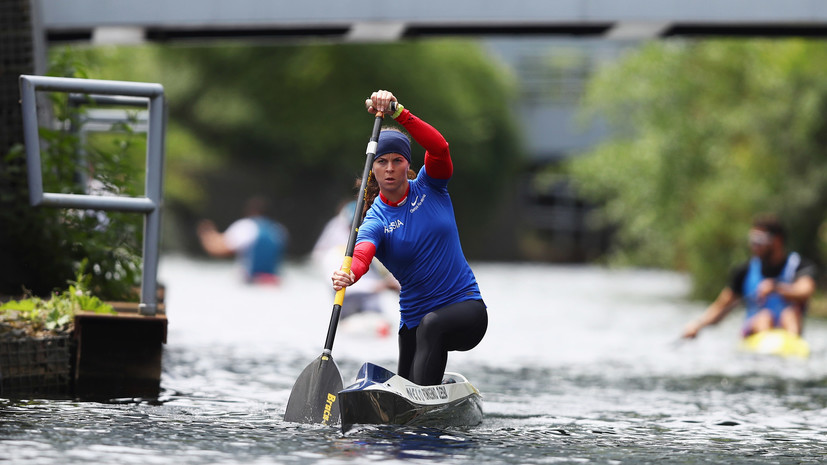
570 383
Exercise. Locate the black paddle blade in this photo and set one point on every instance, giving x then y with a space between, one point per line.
315 394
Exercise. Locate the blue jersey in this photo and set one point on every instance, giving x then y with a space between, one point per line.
265 254
774 302
418 242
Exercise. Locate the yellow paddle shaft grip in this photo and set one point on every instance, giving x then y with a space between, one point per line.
340 294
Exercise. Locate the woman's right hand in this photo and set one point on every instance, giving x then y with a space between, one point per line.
342 280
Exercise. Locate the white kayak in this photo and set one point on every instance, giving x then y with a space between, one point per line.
380 396
366 325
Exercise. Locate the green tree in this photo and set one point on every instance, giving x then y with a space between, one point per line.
707 135
288 122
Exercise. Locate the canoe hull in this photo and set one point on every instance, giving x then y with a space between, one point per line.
381 397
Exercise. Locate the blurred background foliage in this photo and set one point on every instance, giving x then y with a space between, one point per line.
707 134
288 122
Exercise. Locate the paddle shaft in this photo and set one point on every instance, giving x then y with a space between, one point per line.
354 228
313 398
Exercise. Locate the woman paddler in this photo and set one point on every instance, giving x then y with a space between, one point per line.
411 229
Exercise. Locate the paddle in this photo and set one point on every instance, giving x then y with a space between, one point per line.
314 395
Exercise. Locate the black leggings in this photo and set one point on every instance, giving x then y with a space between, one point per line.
423 350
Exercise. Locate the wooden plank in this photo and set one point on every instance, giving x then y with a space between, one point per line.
118 355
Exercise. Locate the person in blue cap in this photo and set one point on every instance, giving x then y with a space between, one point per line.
410 227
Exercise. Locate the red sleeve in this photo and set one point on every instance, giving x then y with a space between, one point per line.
362 256
437 156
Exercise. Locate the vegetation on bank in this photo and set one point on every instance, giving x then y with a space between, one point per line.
37 317
707 134
44 247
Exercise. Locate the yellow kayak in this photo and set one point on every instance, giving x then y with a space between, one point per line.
776 342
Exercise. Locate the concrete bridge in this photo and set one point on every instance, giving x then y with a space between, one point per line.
383 20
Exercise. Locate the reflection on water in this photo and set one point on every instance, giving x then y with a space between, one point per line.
418 442
580 365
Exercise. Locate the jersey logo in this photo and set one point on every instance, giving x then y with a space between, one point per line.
417 202
394 225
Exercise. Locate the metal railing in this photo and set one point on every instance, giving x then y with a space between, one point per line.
149 205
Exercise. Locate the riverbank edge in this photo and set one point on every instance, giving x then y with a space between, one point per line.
96 357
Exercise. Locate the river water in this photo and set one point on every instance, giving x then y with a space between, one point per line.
580 365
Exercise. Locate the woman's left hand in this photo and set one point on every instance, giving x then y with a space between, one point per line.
380 101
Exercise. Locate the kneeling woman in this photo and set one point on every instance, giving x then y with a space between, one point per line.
411 229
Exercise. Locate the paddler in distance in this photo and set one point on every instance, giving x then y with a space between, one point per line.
774 284
411 229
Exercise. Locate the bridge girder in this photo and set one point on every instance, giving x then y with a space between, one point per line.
102 21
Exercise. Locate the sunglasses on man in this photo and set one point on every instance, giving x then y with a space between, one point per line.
759 238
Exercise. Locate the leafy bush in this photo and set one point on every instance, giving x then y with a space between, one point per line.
46 245
34 316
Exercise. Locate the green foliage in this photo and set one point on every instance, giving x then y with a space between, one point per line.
48 244
34 316
289 122
707 135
